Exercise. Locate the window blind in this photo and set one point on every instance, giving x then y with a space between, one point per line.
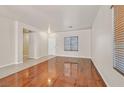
71 43
119 38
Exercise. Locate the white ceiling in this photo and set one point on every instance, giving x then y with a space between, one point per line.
60 17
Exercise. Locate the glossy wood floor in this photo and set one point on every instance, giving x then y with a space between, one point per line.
57 72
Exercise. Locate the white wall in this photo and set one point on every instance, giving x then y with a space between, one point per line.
38 44
7 34
102 38
52 44
32 45
42 44
40 41
11 41
84 43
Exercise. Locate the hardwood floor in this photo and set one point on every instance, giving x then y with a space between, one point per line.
57 72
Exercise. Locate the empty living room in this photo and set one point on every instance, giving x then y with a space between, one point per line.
62 45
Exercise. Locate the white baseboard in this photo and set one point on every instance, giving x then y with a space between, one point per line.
73 56
100 73
18 62
43 56
33 57
37 57
6 65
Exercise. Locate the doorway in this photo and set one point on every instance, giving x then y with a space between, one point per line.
25 44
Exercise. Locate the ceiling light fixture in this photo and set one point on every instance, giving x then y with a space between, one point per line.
69 26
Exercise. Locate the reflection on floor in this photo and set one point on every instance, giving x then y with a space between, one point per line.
57 72
11 69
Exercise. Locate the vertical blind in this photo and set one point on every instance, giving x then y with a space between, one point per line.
119 38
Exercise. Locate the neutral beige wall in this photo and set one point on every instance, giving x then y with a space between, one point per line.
39 39
102 38
52 44
7 38
41 42
84 43
11 41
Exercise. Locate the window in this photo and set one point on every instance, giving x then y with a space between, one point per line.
71 43
119 38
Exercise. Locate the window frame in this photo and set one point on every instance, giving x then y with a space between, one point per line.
71 47
115 55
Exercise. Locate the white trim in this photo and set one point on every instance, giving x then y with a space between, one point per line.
74 29
113 34
37 57
33 57
16 42
41 56
74 56
100 73
19 62
6 65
